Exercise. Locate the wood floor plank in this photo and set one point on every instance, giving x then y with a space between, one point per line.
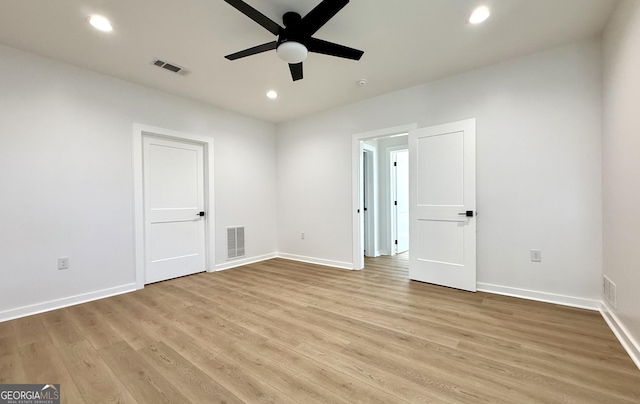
11 370
95 380
461 388
29 330
195 384
281 331
6 329
242 382
282 378
323 375
62 330
129 330
145 383
398 387
258 317
42 363
96 330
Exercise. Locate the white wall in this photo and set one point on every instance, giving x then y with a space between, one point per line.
621 163
66 180
538 170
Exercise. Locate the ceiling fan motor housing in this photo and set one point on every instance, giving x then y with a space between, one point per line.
295 40
290 18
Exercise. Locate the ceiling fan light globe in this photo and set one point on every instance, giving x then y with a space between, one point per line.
479 15
292 52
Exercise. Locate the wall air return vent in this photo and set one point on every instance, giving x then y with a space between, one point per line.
172 67
235 242
609 291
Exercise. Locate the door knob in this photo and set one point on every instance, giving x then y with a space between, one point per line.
201 214
468 213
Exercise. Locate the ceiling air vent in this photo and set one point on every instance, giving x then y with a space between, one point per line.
171 67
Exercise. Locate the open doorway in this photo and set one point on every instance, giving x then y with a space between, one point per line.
383 195
383 208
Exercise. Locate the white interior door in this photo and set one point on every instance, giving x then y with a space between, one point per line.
401 202
365 204
442 194
174 199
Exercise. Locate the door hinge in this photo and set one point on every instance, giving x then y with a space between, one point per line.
396 242
395 164
395 203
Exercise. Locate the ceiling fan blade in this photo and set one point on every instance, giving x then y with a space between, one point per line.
253 51
296 71
319 16
256 16
333 49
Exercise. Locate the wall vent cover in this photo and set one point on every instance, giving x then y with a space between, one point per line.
172 67
609 291
235 242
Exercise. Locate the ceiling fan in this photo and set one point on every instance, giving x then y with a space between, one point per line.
295 39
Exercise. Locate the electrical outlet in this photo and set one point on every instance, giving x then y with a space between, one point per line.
536 256
63 263
302 236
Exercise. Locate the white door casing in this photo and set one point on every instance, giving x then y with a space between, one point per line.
174 196
441 190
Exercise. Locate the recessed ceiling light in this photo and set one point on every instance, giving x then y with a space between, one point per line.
272 94
101 23
479 15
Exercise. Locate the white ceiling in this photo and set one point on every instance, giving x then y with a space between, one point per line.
406 42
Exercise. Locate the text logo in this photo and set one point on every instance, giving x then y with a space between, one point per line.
29 394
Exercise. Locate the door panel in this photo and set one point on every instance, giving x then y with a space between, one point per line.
441 168
174 196
173 177
441 241
442 188
174 239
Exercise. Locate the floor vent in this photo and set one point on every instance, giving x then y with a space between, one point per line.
172 67
609 291
235 242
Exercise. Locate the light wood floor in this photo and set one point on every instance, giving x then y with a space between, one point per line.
287 332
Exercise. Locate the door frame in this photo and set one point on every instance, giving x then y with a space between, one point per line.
139 132
356 164
393 225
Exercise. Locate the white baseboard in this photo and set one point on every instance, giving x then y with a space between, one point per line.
244 261
540 296
624 336
318 261
24 311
